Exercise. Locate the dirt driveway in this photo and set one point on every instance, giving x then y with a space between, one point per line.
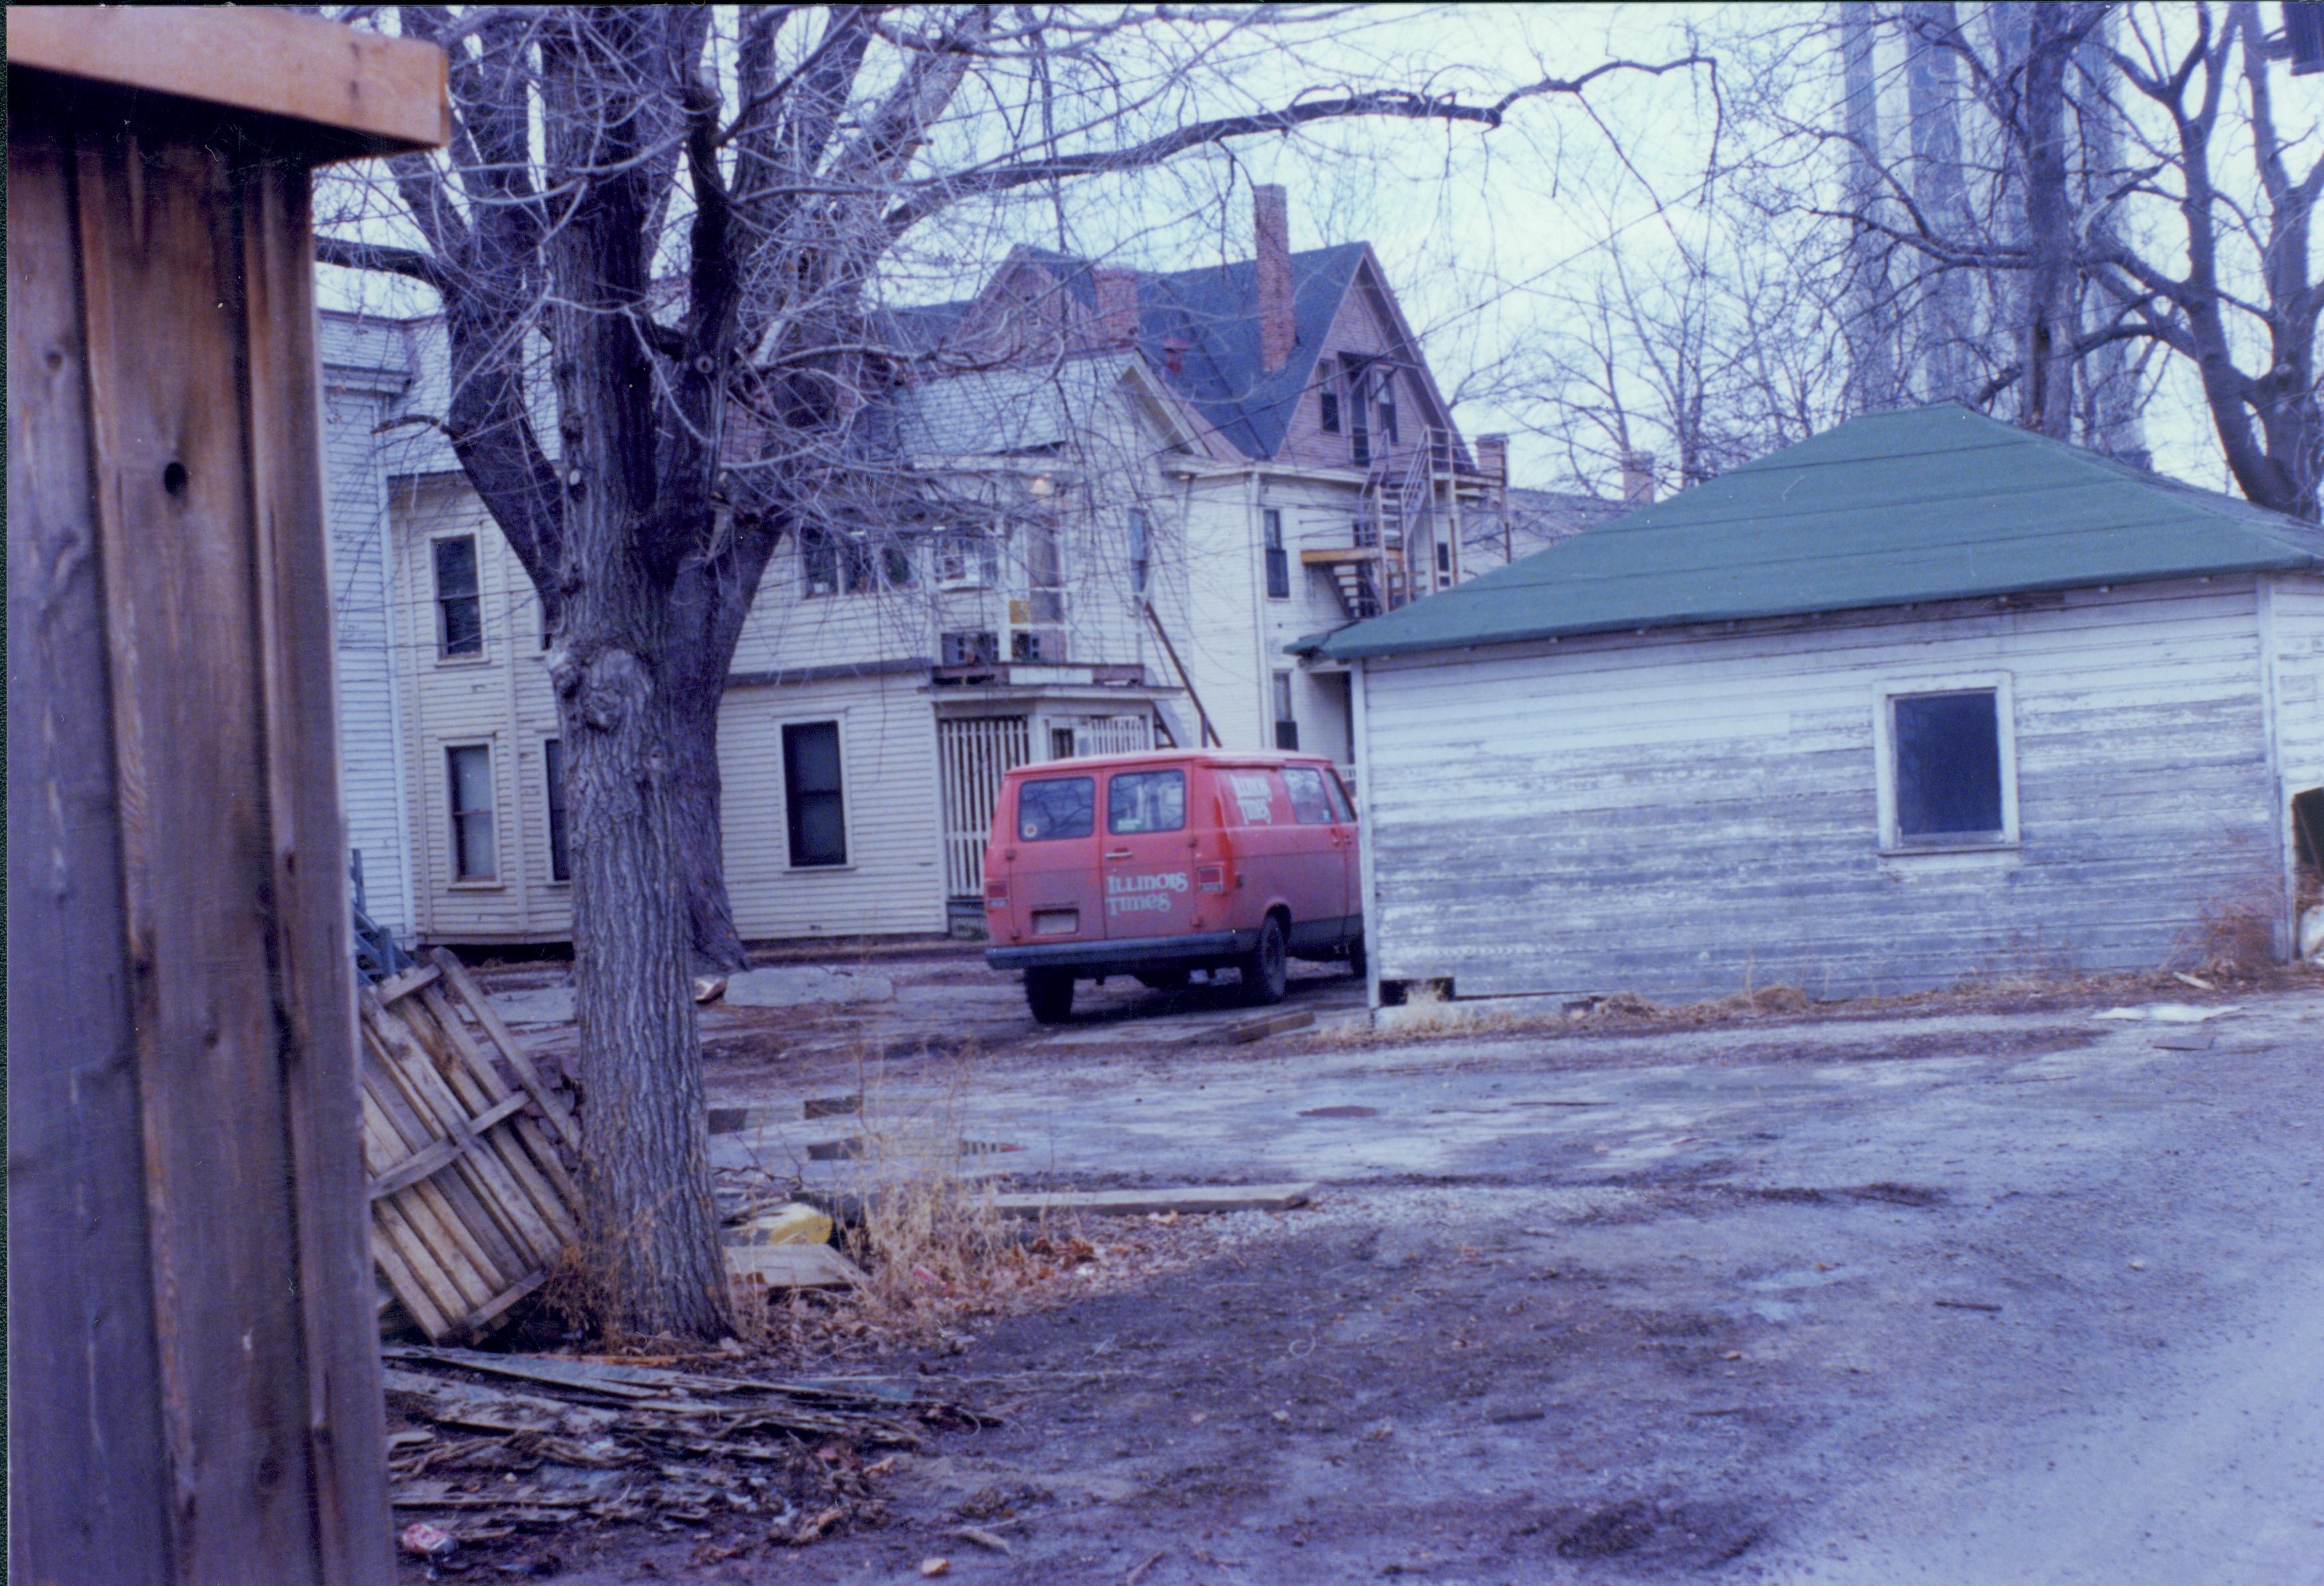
2010 1297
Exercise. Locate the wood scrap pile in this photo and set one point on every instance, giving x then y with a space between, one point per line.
473 1198
483 1444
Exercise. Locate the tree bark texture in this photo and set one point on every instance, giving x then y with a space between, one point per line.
1947 333
650 1227
2049 333
1871 336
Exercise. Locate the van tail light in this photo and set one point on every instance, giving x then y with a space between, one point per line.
996 893
1211 877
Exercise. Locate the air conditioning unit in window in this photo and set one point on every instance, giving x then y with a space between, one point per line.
972 649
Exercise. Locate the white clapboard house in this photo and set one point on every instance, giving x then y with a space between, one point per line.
1924 698
1163 481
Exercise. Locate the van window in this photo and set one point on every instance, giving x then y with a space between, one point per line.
1146 801
1340 809
1310 805
1057 807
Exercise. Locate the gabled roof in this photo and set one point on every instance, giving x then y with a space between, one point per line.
1921 504
1209 316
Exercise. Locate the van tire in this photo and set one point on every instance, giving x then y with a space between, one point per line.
1049 993
1266 969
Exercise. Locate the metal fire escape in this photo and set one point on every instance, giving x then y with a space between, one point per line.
1412 499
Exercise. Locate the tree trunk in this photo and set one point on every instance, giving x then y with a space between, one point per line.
697 836
2111 422
1871 346
645 1137
2048 334
649 1225
1933 89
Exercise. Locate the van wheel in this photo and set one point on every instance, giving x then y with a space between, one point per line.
1164 980
1266 969
1356 962
1049 993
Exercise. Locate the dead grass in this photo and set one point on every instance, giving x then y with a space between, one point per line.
2237 958
939 1257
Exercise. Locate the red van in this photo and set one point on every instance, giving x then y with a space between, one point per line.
1157 865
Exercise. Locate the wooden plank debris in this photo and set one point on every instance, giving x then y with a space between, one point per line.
473 1201
793 1266
1228 1197
603 1439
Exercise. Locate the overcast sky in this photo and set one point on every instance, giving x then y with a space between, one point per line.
1481 233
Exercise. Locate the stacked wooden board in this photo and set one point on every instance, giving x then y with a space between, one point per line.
472 1199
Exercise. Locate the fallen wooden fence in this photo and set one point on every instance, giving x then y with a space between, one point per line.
472 1199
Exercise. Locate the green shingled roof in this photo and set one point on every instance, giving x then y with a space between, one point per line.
1924 505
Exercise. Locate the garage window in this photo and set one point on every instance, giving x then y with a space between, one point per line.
1949 780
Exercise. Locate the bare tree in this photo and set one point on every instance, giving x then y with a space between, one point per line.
692 210
2248 326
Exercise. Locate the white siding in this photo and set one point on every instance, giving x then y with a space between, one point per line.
894 880
356 401
1683 813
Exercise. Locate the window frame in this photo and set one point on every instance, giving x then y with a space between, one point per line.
838 725
1160 774
1285 704
556 818
1327 411
1018 813
1886 691
1141 552
454 816
444 654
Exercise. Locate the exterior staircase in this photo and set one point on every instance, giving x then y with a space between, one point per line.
1413 498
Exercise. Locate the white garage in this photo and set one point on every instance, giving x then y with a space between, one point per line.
1924 698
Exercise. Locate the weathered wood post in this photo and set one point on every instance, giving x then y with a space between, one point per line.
193 1371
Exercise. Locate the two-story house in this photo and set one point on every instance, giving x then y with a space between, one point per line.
1152 484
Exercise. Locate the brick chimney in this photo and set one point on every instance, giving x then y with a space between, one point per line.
1117 306
1637 478
1271 228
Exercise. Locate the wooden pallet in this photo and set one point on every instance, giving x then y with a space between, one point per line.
472 1199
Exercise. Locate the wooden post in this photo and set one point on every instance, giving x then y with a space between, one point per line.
193 1369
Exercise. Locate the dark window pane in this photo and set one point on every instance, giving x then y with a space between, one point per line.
1057 807
1948 765
1146 801
812 802
560 864
1331 414
818 562
460 615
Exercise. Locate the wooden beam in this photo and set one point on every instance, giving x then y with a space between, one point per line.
1229 1198
365 93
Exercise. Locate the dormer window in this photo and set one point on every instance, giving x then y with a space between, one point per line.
1330 403
1386 388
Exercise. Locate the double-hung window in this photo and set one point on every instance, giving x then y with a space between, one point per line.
459 603
1141 552
469 769
1278 559
1947 772
813 804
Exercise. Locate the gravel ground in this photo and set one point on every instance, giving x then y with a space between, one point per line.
1994 1297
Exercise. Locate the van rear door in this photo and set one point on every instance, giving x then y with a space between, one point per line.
1150 853
1049 852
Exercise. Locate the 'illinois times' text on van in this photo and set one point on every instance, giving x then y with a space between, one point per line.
1157 865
